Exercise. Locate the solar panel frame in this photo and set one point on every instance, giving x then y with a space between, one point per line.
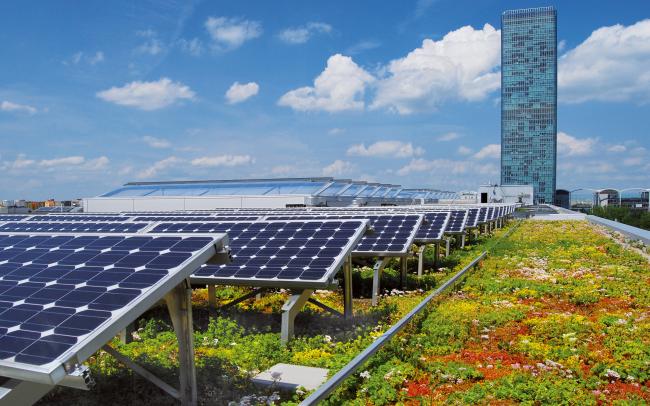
53 372
39 227
440 231
326 282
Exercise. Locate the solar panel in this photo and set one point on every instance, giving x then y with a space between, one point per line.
483 215
12 217
392 233
277 253
492 213
62 297
179 218
72 227
472 218
457 220
77 217
55 209
434 227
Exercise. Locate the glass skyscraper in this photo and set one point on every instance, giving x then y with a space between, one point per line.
529 100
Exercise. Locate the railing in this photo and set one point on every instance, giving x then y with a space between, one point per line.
328 387
630 231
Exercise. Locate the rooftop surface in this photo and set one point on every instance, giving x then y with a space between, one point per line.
558 312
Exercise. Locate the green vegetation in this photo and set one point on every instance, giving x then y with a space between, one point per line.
625 215
557 314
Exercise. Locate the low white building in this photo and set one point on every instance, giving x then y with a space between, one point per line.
506 194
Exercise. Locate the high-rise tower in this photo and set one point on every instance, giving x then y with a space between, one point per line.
529 100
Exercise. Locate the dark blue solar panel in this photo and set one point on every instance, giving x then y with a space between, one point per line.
434 227
56 290
277 251
179 218
456 222
12 217
472 217
392 233
72 227
77 217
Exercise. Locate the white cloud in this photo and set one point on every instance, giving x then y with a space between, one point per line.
11 107
231 33
338 168
396 149
67 161
463 65
450 136
617 148
97 163
362 46
339 87
147 95
80 56
158 143
448 166
97 58
239 92
490 151
20 162
193 46
572 146
561 45
610 65
158 167
336 131
463 150
152 45
222 160
300 35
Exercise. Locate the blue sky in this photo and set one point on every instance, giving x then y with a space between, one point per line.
95 94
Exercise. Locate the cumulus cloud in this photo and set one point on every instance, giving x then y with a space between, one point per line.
158 143
231 33
490 151
222 160
338 168
572 146
11 107
396 149
339 87
147 95
300 35
610 65
450 136
240 92
158 167
463 65
362 46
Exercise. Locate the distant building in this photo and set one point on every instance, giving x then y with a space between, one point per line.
529 100
257 193
523 194
563 198
606 197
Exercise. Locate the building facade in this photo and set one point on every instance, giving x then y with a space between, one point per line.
529 100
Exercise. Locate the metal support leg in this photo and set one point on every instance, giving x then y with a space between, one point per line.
347 288
290 310
404 269
212 297
16 392
447 247
421 259
179 303
436 255
376 277
462 241
126 335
